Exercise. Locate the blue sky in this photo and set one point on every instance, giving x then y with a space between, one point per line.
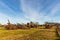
22 11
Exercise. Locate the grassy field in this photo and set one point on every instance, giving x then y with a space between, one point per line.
28 34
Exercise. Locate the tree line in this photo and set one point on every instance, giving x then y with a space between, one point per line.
29 25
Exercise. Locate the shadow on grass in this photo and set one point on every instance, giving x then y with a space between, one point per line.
57 35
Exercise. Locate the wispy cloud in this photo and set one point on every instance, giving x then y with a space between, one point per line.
29 12
55 9
8 13
4 18
53 14
32 10
6 7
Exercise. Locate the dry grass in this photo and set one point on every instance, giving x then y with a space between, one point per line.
43 34
11 34
28 34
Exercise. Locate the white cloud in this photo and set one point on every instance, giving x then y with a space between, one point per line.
33 15
6 7
4 18
29 12
55 9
